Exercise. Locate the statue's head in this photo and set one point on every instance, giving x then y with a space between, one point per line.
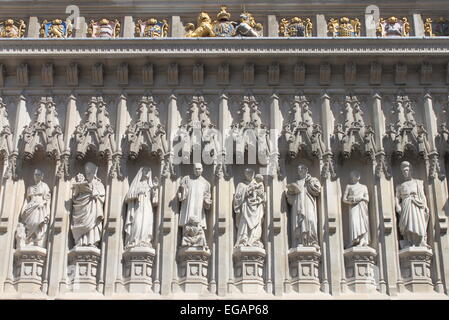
90 169
355 176
146 173
302 171
38 175
203 17
197 169
406 169
249 174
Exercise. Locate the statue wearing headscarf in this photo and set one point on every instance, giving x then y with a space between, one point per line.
140 199
88 200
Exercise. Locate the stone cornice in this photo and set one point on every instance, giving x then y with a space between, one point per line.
212 47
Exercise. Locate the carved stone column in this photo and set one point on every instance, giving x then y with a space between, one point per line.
415 267
193 269
248 268
29 261
83 266
304 269
360 263
138 269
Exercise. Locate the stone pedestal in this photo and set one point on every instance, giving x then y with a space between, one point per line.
138 269
304 269
193 263
83 266
248 266
415 268
360 263
30 261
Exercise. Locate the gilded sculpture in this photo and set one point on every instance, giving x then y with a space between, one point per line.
344 27
12 29
393 27
104 28
436 28
204 27
56 29
151 28
295 27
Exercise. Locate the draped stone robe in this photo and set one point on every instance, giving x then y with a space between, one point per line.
193 193
140 215
35 212
358 213
87 216
248 206
304 211
414 213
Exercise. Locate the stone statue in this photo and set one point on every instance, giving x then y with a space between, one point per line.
36 211
356 197
193 234
301 196
249 202
195 197
411 205
88 200
140 199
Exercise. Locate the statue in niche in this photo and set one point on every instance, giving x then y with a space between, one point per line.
301 196
248 205
357 198
142 196
88 200
35 213
411 205
195 197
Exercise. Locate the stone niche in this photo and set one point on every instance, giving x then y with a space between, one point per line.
249 261
85 262
360 261
30 260
195 263
304 262
139 261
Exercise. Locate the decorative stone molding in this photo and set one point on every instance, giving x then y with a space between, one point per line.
249 269
302 135
325 74
97 74
360 264
198 74
172 74
248 74
376 73
6 143
223 74
299 74
273 74
350 73
193 269
148 74
146 133
304 269
47 74
400 73
122 74
83 267
405 134
72 71
2 75
354 134
426 73
415 266
138 269
22 75
30 264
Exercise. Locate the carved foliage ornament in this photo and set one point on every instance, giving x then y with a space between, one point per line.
354 134
56 29
295 27
12 29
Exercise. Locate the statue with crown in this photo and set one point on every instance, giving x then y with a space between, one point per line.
223 27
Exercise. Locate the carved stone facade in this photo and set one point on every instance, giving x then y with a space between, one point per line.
296 101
